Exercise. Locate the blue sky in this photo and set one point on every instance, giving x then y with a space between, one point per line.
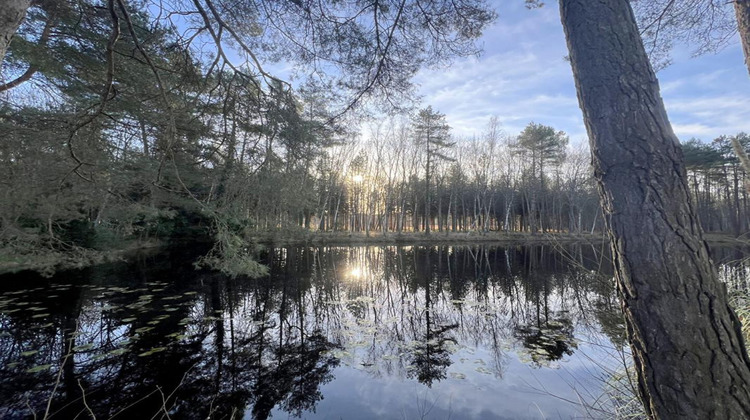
522 76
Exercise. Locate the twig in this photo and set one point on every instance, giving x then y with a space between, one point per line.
85 404
163 404
68 353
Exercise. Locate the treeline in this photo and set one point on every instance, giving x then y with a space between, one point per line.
718 183
401 179
159 142
125 121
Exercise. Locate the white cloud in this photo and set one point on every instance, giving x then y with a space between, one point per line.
688 131
523 77
708 102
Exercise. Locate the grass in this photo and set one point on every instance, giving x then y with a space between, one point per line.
47 261
740 301
307 237
719 238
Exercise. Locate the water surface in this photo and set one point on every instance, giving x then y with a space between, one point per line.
353 332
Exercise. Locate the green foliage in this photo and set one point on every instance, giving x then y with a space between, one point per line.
699 155
172 144
433 132
231 254
79 233
543 144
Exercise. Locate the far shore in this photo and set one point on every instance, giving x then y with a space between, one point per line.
463 238
48 263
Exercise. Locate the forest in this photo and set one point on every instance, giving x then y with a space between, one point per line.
182 144
131 124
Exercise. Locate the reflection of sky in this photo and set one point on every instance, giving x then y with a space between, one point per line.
355 393
490 375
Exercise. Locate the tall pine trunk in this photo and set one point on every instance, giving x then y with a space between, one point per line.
686 341
742 10
12 13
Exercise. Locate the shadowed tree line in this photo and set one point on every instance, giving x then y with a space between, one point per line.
125 122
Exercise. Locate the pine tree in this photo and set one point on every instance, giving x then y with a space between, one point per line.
433 133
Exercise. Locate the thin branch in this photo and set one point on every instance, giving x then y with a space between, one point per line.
85 404
379 68
244 46
32 67
106 92
68 353
171 133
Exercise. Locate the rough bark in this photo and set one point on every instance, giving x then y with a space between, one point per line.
11 16
686 341
742 10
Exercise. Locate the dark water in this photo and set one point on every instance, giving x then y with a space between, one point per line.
353 333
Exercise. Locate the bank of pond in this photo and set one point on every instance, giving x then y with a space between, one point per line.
365 332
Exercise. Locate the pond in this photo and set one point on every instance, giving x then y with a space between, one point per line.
444 332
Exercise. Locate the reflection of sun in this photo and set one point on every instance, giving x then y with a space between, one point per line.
358 178
356 272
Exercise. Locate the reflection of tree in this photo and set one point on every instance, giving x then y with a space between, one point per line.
606 307
549 341
430 358
550 337
266 344
293 379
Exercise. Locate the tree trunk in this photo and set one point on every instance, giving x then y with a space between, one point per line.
686 341
427 198
11 16
742 10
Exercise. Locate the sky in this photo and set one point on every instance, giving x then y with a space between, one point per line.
522 76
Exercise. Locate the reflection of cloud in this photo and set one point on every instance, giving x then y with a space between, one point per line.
373 397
